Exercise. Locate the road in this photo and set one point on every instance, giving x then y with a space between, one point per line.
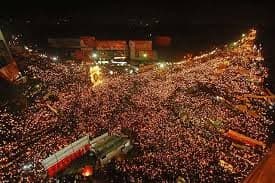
265 172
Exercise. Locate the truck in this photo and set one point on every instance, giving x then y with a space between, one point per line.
86 155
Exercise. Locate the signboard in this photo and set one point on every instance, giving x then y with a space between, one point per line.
87 42
141 45
111 45
244 139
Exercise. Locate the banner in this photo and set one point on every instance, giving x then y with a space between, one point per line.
244 139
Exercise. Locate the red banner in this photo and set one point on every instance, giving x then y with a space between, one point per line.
244 139
65 162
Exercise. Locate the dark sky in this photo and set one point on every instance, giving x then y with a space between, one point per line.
187 21
172 12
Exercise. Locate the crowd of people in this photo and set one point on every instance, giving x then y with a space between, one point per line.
168 113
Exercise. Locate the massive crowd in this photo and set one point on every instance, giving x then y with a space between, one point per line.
167 113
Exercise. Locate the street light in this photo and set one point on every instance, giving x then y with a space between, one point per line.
161 65
94 55
54 58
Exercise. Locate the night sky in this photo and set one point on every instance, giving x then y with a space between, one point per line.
191 24
118 12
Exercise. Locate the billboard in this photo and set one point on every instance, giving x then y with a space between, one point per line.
111 45
244 139
141 45
87 42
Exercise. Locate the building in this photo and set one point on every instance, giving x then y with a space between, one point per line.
88 49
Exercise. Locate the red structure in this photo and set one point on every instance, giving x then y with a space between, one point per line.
111 45
63 158
244 139
8 67
141 50
87 42
162 41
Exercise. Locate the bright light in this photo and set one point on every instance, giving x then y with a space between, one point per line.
26 48
218 98
103 62
118 62
43 55
243 35
119 58
111 72
161 65
235 43
94 55
145 55
87 171
131 71
54 58
127 144
28 167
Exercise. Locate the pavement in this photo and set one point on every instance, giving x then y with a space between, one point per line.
265 172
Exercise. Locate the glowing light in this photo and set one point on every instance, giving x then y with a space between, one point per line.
145 55
94 55
54 58
243 35
235 43
120 63
87 171
131 71
161 65
111 72
103 62
119 58
27 167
